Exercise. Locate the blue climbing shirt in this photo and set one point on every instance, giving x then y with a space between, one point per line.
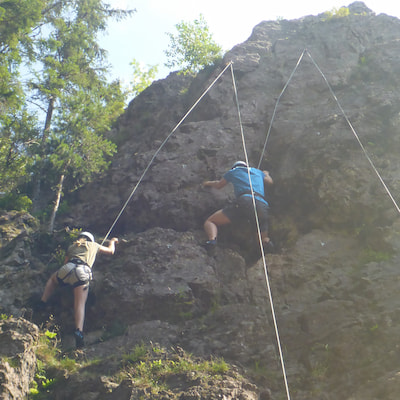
239 178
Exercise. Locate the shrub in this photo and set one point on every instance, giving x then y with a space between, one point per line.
13 201
336 13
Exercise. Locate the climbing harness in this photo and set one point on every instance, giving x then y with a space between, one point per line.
74 273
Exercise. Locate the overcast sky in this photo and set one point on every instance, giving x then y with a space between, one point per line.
143 36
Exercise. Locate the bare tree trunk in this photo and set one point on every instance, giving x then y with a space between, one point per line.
56 203
38 178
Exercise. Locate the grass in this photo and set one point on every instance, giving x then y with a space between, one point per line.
154 361
151 368
51 364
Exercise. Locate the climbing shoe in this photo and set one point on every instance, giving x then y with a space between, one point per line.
79 342
210 246
211 243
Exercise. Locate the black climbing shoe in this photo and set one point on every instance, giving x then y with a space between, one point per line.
79 339
210 246
211 243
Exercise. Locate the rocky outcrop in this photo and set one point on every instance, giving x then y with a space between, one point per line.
334 275
18 338
323 177
20 269
176 375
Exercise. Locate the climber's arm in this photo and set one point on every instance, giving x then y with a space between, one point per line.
216 184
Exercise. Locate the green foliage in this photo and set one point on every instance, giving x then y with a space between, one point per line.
369 255
13 362
73 234
139 353
13 201
218 367
151 367
34 390
17 18
80 150
50 335
17 133
71 103
148 367
374 328
59 256
55 245
192 48
51 365
81 105
142 78
336 13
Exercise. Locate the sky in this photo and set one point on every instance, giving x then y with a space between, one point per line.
143 36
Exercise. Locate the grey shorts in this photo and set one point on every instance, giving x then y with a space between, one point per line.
241 211
74 275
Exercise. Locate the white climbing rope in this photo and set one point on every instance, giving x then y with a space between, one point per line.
276 106
254 204
159 149
355 134
260 242
260 160
344 115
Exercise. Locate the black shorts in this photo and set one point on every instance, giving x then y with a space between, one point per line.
241 211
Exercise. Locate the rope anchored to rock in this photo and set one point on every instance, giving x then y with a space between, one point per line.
230 64
160 148
271 302
305 51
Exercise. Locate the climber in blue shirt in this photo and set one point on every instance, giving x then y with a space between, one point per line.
242 209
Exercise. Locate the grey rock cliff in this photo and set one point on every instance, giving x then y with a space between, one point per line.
18 361
334 278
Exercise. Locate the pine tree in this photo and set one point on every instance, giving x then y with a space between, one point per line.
71 87
17 127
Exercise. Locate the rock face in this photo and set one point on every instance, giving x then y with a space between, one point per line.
334 278
18 360
322 174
